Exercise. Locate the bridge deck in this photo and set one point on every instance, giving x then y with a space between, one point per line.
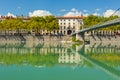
98 26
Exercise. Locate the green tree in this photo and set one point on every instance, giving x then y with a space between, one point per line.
93 20
51 23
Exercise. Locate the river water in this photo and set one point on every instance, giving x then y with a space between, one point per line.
59 61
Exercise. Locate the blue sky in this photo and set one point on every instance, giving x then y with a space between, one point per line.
58 7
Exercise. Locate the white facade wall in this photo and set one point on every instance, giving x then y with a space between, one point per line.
69 23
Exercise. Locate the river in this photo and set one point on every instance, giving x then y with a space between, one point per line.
59 61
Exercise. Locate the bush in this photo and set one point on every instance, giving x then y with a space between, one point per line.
74 40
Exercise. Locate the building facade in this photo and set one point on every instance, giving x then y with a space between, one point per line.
70 24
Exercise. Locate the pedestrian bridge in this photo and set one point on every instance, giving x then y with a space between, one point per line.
98 26
80 34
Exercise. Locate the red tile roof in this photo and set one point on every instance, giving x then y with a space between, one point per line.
60 17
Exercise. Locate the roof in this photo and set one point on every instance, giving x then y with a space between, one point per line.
10 17
28 18
71 17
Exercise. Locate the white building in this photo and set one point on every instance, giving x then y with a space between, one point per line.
70 24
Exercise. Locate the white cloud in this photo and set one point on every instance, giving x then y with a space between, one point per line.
109 12
39 13
10 14
96 14
73 12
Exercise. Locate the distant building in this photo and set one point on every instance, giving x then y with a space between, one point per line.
70 24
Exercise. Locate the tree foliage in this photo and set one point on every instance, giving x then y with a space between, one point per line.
93 20
49 23
35 59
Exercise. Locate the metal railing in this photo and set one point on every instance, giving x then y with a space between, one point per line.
98 26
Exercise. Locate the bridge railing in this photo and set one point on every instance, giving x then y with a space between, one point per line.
100 25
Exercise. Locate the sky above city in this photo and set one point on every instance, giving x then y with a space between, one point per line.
59 7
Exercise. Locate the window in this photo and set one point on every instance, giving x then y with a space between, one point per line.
57 31
54 31
69 24
61 32
68 27
61 27
64 27
73 27
64 32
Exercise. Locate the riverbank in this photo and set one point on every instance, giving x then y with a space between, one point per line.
24 38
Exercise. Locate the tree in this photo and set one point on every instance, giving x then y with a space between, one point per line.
38 24
51 23
93 20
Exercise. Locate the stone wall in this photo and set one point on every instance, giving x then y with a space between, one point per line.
34 38
103 36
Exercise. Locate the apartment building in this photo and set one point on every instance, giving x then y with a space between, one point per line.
70 24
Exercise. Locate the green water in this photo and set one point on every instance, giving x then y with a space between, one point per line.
58 61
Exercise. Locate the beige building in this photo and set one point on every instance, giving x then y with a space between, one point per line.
70 24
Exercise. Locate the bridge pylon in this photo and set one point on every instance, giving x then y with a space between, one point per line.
80 36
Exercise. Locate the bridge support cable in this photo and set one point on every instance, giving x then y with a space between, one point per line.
115 11
100 65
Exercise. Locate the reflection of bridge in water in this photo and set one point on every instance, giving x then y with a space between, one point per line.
100 49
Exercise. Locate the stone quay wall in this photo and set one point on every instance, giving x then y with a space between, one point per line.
11 38
103 36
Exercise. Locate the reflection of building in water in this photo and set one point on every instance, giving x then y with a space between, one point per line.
70 58
65 54
25 50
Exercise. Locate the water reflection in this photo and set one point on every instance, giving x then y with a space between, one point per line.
104 57
38 54
60 53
